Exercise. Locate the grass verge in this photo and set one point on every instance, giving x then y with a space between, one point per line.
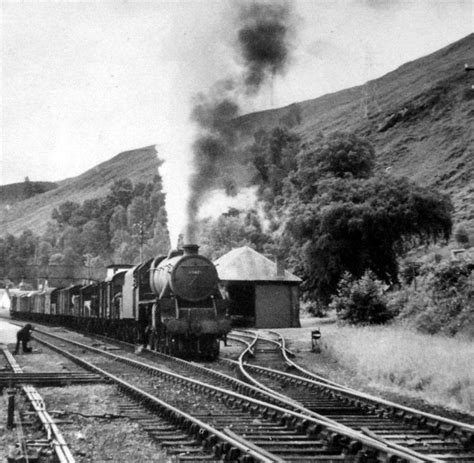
436 369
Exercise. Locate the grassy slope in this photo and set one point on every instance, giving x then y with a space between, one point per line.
137 165
433 143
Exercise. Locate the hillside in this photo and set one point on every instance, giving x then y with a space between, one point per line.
33 213
420 118
15 192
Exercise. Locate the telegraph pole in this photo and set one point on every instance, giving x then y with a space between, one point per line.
140 227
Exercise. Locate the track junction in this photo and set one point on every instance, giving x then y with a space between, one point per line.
269 414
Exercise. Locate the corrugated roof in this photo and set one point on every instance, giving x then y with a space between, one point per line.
246 264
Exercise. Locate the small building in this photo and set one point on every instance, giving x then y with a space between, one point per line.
262 294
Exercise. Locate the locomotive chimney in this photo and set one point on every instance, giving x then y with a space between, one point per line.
190 249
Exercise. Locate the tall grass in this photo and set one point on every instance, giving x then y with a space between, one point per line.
437 369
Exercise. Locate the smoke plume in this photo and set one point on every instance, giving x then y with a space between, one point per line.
265 41
263 45
213 150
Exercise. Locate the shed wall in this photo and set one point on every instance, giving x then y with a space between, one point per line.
273 306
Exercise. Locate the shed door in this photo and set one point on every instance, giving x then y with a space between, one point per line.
273 306
242 303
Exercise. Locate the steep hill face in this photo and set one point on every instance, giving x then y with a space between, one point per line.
138 165
420 119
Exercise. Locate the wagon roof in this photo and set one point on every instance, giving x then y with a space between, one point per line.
246 264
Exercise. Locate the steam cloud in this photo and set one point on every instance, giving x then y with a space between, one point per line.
263 43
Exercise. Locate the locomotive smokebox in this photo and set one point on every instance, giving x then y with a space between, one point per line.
187 275
190 249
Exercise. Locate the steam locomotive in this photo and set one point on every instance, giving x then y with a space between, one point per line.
171 304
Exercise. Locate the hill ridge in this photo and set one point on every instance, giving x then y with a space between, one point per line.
35 212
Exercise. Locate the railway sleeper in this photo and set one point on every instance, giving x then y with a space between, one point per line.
194 453
439 448
261 429
319 458
174 437
183 443
455 457
288 452
297 439
299 445
467 440
278 433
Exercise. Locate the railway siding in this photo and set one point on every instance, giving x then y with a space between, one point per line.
425 435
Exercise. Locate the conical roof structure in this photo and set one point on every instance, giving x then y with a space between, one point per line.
246 264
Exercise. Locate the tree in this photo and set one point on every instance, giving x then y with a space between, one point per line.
159 243
139 213
71 238
65 211
28 188
95 238
274 157
91 208
121 192
118 220
340 155
349 223
344 154
45 251
233 229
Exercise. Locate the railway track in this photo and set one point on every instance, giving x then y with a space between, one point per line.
266 363
51 444
226 425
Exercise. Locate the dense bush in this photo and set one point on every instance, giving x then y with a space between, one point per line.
361 301
442 302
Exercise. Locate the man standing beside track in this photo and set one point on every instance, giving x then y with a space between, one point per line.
24 336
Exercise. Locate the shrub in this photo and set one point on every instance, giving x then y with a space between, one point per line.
462 236
450 279
361 301
409 271
443 303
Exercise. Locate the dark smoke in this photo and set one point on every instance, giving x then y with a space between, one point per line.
213 149
264 44
265 41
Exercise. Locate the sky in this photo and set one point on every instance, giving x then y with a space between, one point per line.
84 81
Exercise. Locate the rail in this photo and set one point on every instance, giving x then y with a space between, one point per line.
54 434
307 419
